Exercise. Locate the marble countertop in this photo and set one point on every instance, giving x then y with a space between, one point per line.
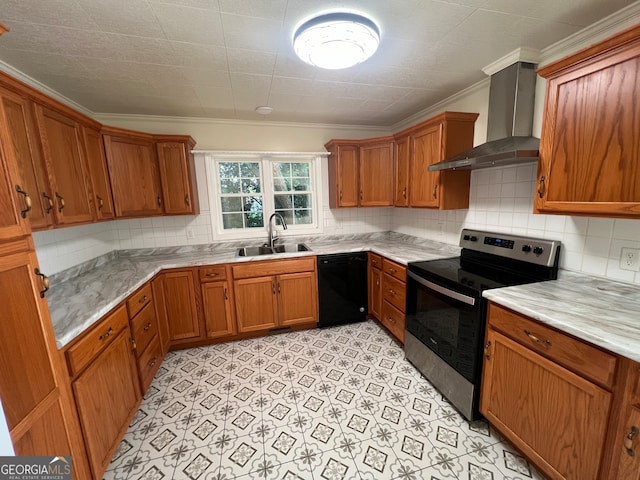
600 311
80 296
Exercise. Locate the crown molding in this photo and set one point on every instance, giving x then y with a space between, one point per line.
438 107
625 18
32 82
523 54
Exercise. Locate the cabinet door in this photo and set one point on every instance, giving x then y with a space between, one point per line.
589 143
527 396
347 175
62 148
34 386
107 397
401 156
376 175
135 180
21 143
157 286
426 148
12 203
103 200
297 298
629 468
175 164
375 292
218 313
256 304
180 303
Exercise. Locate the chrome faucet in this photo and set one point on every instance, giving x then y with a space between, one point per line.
271 227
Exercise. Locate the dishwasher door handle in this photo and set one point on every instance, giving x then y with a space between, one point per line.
443 290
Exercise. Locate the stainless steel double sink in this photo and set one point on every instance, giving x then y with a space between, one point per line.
252 251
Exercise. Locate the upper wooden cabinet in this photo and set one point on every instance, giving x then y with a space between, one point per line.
361 173
135 177
425 144
177 174
21 144
590 147
103 201
62 146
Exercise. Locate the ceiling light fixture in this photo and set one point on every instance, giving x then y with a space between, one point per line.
264 110
336 40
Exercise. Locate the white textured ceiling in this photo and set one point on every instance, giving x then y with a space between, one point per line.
222 58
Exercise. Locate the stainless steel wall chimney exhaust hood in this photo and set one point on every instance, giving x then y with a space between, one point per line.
510 123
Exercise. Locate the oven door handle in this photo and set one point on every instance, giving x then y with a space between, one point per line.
444 291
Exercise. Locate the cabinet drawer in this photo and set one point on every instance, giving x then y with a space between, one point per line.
394 320
93 342
395 292
274 267
213 273
394 269
144 327
585 360
138 300
149 362
375 260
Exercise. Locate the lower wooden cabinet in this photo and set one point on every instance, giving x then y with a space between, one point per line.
388 293
534 394
276 294
180 304
217 302
107 391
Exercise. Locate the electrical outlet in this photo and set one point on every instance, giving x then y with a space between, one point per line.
191 234
630 259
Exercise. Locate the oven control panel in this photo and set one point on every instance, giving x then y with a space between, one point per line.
533 250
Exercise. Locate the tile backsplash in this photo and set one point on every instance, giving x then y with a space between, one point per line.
501 200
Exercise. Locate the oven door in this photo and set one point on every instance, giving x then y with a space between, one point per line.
448 322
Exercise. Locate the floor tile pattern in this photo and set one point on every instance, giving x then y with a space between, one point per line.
335 404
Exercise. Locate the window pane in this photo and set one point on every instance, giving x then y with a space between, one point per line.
281 184
229 169
283 201
251 185
288 216
281 169
250 169
301 184
254 219
302 201
231 220
230 185
300 169
303 217
231 204
252 204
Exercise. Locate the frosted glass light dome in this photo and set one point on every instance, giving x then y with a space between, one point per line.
336 40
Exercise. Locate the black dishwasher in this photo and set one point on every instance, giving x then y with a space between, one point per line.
342 288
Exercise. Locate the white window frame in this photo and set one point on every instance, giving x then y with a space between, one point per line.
265 158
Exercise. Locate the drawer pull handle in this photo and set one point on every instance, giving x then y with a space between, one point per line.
187 201
27 201
49 203
393 270
435 191
392 292
100 202
628 441
389 319
45 282
374 262
211 274
134 345
536 339
60 202
143 299
377 282
104 336
147 327
152 363
159 200
404 193
273 287
226 294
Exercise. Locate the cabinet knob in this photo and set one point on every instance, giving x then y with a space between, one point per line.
628 440
27 201
45 282
60 201
48 203
541 186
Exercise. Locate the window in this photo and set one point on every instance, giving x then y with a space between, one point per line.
246 188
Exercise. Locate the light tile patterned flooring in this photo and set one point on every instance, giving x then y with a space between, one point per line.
338 403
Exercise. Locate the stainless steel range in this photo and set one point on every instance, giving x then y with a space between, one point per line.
446 312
